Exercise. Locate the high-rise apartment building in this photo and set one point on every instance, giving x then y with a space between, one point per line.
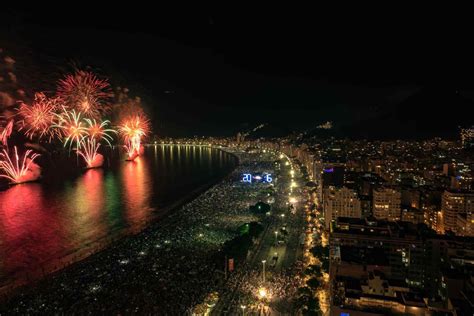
454 204
386 204
340 202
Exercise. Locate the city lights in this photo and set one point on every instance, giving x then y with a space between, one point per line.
151 166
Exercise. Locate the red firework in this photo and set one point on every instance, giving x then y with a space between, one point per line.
99 131
89 146
38 118
133 128
5 133
85 93
19 169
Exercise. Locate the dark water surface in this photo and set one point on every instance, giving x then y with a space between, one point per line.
48 222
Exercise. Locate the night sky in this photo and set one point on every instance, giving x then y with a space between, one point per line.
216 73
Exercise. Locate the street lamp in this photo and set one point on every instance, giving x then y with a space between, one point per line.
276 237
243 309
263 262
262 295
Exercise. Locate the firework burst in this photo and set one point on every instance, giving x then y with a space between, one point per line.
86 134
84 92
71 127
133 129
90 143
5 133
99 131
19 169
89 151
38 118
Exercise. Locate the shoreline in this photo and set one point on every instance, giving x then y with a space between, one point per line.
8 289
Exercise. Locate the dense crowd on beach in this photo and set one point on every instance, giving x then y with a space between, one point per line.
282 281
281 288
166 269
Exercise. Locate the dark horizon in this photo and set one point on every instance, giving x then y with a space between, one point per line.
218 74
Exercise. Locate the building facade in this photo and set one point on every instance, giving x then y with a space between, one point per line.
340 202
386 204
457 208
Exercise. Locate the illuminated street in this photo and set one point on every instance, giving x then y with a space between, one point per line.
278 249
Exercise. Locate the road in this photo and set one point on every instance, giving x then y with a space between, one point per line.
288 188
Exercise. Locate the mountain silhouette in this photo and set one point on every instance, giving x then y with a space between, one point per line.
432 111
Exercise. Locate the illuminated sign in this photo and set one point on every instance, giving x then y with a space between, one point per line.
328 170
264 178
247 178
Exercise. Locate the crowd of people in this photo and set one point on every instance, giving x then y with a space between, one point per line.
243 288
166 269
280 288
